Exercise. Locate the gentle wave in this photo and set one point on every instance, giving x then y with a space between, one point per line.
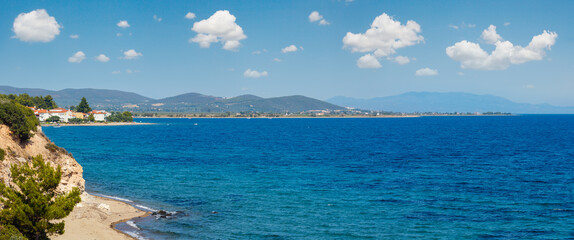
115 198
132 224
135 235
145 208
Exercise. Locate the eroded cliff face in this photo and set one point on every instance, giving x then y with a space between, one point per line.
39 145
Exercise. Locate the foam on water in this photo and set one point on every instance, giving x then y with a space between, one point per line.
135 235
113 197
132 224
148 209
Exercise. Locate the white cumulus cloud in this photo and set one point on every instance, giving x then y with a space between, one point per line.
315 16
190 15
472 56
74 36
402 60
426 72
384 37
490 36
290 48
254 74
123 24
36 26
156 18
132 54
78 57
220 27
102 58
368 61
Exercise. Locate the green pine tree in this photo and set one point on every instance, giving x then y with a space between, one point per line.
31 205
84 106
50 103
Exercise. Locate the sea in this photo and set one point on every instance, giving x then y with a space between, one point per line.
456 177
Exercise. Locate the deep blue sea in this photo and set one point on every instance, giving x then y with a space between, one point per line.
505 177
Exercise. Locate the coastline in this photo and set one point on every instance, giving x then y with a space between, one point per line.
95 217
99 124
285 117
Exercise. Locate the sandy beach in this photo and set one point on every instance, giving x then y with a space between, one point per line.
94 218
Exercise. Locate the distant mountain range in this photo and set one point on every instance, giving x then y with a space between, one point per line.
114 100
447 103
71 97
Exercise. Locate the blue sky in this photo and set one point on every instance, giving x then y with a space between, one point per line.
162 53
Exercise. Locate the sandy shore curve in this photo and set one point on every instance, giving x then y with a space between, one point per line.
94 219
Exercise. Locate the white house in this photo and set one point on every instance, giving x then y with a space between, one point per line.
64 114
100 115
42 114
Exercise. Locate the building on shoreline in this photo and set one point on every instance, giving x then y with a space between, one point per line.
99 115
65 115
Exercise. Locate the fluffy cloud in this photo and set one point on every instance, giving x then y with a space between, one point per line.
74 36
315 16
402 60
254 74
132 54
426 72
158 19
123 24
220 27
102 58
472 56
290 48
368 61
490 36
384 37
190 15
78 57
36 26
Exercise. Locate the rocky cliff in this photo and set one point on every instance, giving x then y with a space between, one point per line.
39 144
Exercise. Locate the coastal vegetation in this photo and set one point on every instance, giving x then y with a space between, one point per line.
32 203
20 119
53 119
24 99
120 117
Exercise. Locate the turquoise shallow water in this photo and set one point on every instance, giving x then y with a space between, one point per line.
432 177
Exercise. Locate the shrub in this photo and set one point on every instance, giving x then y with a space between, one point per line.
21 120
53 119
10 232
120 117
2 154
32 204
77 120
52 147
